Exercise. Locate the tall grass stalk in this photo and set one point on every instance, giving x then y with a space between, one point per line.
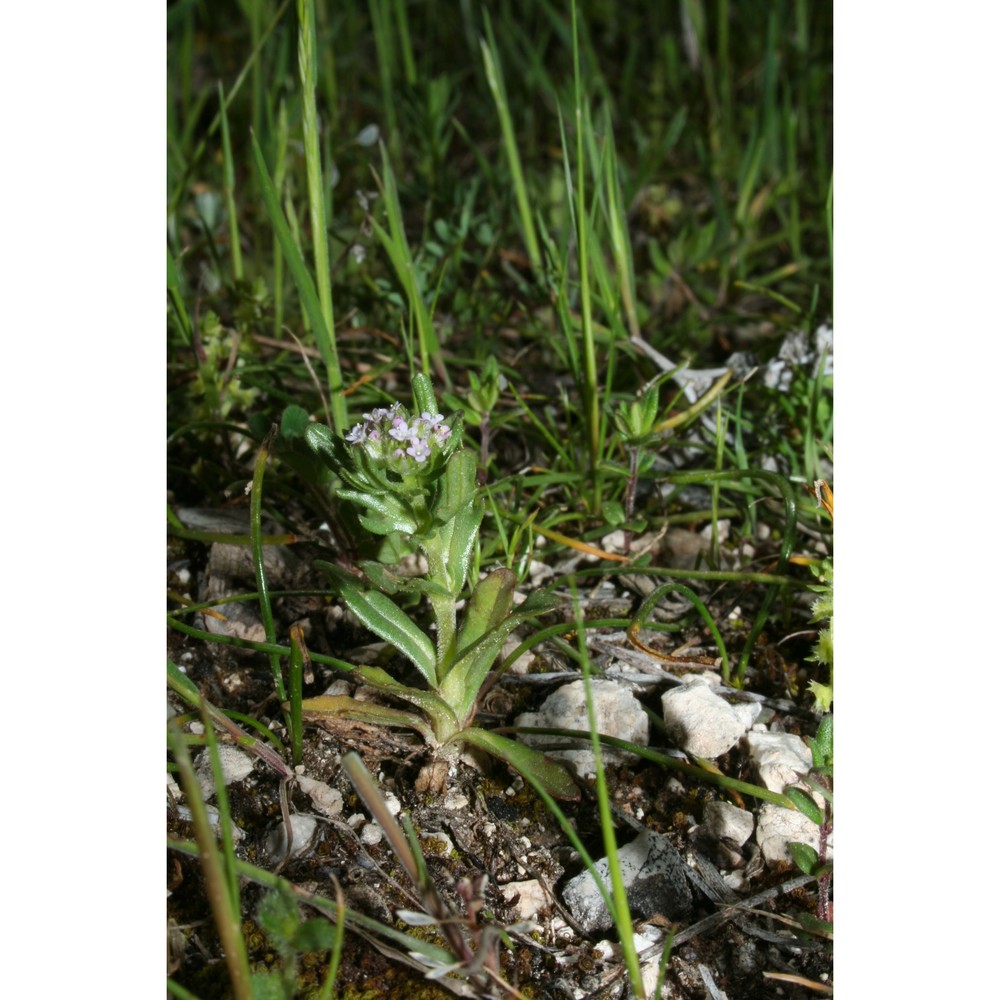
397 248
591 402
280 167
382 30
177 299
229 189
220 877
405 45
256 493
181 187
621 246
620 913
494 78
254 10
304 284
317 204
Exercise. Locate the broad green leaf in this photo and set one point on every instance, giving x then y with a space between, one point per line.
490 604
388 513
805 803
387 621
804 856
313 935
324 444
267 986
278 915
294 422
550 775
465 529
458 485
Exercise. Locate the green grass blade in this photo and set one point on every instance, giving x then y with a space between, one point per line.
226 914
228 187
591 402
397 248
177 299
305 286
317 204
620 913
494 78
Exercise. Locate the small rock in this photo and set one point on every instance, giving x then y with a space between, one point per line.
617 711
455 801
303 829
724 821
703 724
438 843
235 764
530 896
371 834
777 827
326 799
778 758
654 879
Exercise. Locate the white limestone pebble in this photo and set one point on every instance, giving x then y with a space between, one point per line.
616 709
702 723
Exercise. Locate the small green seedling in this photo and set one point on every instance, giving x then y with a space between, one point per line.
409 475
819 780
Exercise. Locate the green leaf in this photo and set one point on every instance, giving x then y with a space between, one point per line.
489 606
278 916
313 935
267 986
344 707
822 743
386 620
805 803
458 487
804 856
550 775
324 444
294 422
296 265
423 395
388 515
816 926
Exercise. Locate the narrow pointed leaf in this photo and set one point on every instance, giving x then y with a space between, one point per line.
551 776
296 265
343 707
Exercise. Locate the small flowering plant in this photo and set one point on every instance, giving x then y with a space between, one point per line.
408 473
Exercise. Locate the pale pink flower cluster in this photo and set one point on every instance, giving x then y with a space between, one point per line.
392 433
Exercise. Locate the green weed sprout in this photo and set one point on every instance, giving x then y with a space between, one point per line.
819 779
409 475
